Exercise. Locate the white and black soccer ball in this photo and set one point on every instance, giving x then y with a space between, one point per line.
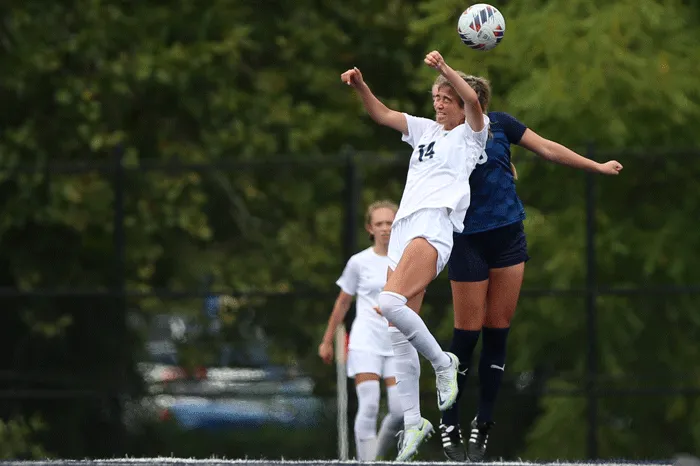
481 26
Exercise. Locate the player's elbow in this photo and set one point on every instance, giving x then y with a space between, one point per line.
343 302
395 120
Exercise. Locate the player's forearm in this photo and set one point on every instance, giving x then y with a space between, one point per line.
374 107
464 90
337 316
562 155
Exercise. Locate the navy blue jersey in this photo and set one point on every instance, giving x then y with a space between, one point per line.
494 202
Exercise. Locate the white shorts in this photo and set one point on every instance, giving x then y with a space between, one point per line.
432 224
365 362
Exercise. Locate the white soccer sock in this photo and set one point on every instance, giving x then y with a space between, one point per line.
366 419
407 377
366 449
393 307
392 422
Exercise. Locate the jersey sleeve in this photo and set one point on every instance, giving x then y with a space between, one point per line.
512 127
482 136
350 277
416 127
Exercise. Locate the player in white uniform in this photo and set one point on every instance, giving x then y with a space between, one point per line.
370 356
433 205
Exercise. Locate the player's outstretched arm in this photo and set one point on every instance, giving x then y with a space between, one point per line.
557 153
473 112
375 108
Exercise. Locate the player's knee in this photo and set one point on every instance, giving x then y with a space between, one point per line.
409 365
498 320
367 409
468 321
368 398
390 304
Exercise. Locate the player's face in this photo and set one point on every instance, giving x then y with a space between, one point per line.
380 226
448 107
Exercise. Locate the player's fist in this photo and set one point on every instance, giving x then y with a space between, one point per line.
352 77
325 351
435 60
613 167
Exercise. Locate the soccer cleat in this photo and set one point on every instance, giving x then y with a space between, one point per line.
446 381
452 444
476 448
410 439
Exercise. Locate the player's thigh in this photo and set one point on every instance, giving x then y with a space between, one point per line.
469 302
503 294
419 248
468 272
389 370
506 253
415 270
365 377
414 302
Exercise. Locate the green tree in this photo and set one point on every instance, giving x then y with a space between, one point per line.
193 83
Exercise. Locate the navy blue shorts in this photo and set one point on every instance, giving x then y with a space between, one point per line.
473 255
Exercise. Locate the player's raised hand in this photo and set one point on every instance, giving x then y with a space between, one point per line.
353 77
435 60
613 167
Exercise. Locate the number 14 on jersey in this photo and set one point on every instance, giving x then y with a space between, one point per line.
426 151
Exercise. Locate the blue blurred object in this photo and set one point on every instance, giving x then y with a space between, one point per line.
240 389
219 414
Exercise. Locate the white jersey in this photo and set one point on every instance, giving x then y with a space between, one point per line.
440 166
365 276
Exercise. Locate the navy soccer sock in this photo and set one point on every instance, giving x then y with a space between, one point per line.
491 368
463 344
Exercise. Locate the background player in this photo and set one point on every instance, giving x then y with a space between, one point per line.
370 356
434 201
487 264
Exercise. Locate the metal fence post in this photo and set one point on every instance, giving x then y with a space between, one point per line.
351 202
351 210
119 284
591 314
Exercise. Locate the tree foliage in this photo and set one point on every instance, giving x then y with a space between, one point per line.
254 88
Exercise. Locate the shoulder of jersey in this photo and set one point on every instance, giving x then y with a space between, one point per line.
493 116
364 253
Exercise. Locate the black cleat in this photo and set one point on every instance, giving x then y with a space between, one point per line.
452 444
476 448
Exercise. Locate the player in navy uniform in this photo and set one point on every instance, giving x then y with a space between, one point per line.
486 268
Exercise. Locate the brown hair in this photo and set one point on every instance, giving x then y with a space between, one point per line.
480 85
383 204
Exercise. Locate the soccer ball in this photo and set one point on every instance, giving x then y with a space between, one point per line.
481 26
